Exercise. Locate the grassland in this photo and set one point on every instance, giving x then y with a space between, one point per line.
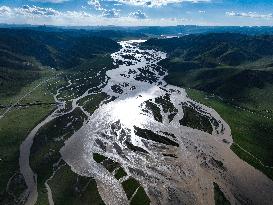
249 89
231 73
49 140
74 189
134 191
28 99
219 196
251 131
11 81
195 120
18 122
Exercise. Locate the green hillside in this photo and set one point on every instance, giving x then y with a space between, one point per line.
235 67
233 74
33 64
25 52
59 50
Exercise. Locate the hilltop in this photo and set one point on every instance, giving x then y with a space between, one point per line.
25 52
226 64
233 74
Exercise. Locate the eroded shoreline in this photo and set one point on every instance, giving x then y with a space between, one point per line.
180 167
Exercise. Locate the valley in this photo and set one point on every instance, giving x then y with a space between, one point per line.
242 89
130 125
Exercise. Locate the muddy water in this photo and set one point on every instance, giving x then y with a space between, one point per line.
182 172
25 169
200 159
31 194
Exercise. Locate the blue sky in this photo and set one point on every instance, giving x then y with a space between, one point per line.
138 12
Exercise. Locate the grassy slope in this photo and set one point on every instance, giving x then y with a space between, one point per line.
11 81
21 71
249 130
240 86
250 99
238 70
17 123
61 50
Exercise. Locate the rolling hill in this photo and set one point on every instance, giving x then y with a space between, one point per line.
24 52
59 50
232 73
228 65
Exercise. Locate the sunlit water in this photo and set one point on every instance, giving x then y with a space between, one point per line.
179 173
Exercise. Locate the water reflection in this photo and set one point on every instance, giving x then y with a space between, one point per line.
175 164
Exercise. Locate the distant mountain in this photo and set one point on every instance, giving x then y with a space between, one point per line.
211 50
141 31
24 51
116 33
193 29
25 48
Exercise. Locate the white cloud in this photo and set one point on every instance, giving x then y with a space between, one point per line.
138 15
75 14
157 3
108 13
250 15
39 16
95 3
35 10
111 13
51 1
150 3
5 10
201 11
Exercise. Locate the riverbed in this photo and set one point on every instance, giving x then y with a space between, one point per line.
178 166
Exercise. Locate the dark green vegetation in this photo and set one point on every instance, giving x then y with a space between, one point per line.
165 103
195 120
219 196
150 135
130 186
61 50
108 163
140 198
135 148
150 106
251 131
98 158
91 103
167 106
115 33
25 52
74 189
14 127
28 81
246 88
134 191
15 188
212 50
233 74
13 80
120 173
50 139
